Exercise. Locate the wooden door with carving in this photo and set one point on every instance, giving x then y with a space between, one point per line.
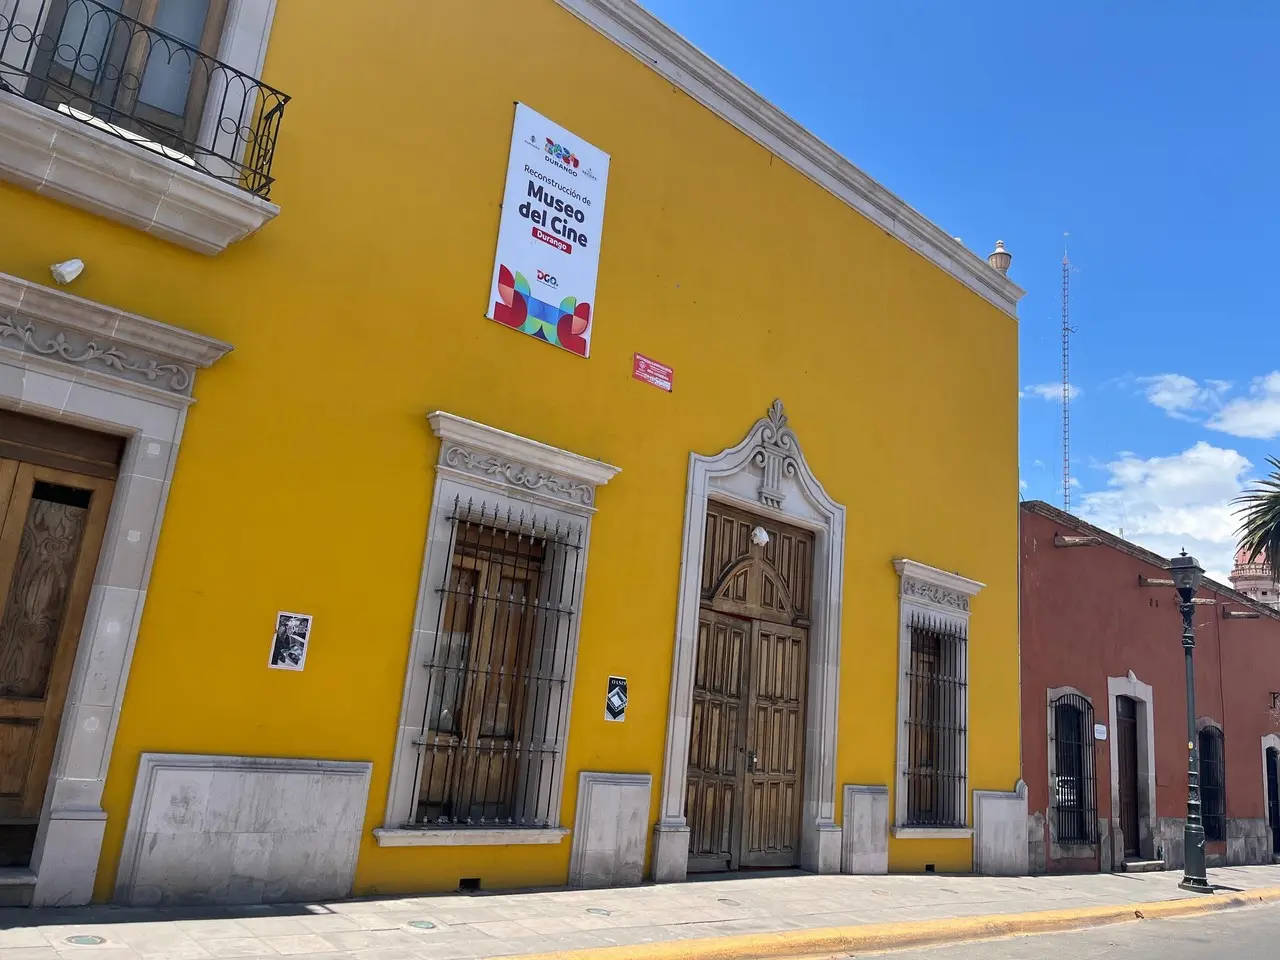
49 539
51 527
746 748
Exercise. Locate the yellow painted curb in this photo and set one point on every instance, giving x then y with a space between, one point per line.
842 941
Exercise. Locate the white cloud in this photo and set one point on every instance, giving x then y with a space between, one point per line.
1180 396
1022 484
1256 416
1049 391
1169 503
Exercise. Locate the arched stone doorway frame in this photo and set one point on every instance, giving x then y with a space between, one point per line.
767 474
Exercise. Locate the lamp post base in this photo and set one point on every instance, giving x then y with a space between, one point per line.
1195 885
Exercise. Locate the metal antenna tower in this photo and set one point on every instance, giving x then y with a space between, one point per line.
1066 379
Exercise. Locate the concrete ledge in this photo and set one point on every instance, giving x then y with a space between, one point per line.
68 160
933 833
466 837
843 941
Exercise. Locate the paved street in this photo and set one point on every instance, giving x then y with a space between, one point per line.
1251 933
466 927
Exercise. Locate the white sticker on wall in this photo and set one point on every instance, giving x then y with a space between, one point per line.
1099 731
615 701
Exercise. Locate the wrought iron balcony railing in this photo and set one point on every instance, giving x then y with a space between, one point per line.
88 60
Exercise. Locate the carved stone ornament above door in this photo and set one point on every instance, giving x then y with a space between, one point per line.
776 455
44 324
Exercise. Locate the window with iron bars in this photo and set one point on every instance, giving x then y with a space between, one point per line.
1213 811
1074 800
936 719
496 711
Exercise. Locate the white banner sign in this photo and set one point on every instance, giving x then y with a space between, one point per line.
544 276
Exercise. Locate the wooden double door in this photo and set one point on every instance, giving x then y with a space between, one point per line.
746 751
55 489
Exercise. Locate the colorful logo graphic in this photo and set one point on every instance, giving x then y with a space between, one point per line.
562 154
548 279
563 326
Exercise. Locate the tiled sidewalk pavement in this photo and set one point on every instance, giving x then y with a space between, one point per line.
461 927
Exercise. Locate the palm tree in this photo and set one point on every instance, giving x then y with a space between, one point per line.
1259 510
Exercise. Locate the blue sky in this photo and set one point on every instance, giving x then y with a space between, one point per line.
1149 133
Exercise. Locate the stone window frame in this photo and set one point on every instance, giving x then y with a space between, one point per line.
765 473
71 161
486 464
73 360
1068 851
1130 686
945 597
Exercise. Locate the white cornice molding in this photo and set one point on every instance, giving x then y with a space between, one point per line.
506 459
40 321
922 583
63 158
653 42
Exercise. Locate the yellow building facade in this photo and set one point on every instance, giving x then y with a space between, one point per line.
321 581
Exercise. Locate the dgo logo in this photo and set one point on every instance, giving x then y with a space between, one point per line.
562 154
548 279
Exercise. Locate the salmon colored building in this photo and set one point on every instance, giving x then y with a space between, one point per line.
1104 708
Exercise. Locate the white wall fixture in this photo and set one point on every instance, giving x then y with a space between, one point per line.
66 271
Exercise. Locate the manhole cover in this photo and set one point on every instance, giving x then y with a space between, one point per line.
732 903
86 940
422 924
598 912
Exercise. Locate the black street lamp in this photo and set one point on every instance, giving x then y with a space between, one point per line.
1186 579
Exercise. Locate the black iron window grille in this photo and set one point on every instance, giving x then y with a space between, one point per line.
1213 810
1074 800
141 70
936 721
496 713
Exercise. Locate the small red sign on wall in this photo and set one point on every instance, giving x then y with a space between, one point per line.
652 372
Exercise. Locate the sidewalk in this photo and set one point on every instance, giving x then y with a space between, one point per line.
463 927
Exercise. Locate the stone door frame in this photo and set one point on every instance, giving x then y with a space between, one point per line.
1130 686
73 360
766 474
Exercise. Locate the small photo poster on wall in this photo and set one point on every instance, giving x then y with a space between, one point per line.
289 648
